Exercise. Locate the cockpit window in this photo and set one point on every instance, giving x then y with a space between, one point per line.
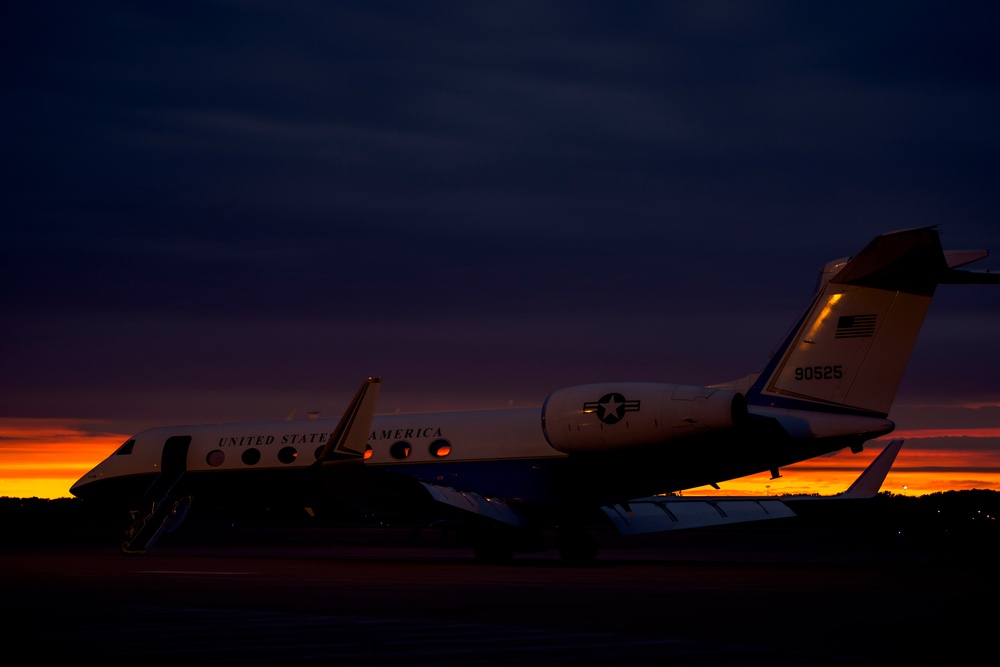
126 448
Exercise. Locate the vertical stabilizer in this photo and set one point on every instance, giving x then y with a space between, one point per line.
850 350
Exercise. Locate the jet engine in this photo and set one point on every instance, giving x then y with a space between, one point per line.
605 417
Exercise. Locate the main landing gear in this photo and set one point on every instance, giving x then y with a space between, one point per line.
498 545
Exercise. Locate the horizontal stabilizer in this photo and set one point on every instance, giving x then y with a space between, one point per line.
912 261
909 261
956 258
955 277
489 508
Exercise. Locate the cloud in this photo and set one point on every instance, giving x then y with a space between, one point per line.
239 209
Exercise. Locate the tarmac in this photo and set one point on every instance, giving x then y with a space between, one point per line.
395 596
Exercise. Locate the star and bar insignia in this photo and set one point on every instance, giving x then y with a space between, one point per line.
611 408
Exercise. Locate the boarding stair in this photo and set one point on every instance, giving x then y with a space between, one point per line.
168 506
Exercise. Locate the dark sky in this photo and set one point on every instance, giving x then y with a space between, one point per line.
227 210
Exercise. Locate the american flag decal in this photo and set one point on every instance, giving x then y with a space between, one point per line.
856 326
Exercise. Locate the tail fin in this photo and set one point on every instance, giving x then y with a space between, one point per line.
850 349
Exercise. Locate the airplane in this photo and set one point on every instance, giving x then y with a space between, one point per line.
587 453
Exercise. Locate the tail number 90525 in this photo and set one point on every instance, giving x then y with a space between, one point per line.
819 372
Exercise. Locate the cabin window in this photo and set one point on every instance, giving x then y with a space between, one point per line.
368 452
288 455
319 450
126 448
440 448
215 458
251 456
400 450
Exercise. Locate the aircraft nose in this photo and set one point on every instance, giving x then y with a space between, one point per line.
82 486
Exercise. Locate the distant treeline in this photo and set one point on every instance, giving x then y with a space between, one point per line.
953 518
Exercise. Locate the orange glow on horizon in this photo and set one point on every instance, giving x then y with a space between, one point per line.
947 433
43 458
916 472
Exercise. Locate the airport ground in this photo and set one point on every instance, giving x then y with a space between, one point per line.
774 593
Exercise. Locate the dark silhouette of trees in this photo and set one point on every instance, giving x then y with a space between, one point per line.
948 522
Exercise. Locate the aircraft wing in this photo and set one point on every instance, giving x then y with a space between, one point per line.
662 513
644 515
468 501
659 514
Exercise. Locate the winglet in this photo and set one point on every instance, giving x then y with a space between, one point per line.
349 438
870 481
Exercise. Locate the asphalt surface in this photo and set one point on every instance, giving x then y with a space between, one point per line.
396 597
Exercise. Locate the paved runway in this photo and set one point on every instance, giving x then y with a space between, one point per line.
386 597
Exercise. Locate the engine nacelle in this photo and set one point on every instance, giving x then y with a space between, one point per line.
605 417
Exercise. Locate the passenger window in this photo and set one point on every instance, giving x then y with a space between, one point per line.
400 450
251 456
440 448
288 455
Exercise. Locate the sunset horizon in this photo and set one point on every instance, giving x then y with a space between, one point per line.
42 458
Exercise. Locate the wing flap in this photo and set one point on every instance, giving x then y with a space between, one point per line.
653 515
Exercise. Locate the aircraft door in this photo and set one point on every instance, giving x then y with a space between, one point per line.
164 506
174 459
173 463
